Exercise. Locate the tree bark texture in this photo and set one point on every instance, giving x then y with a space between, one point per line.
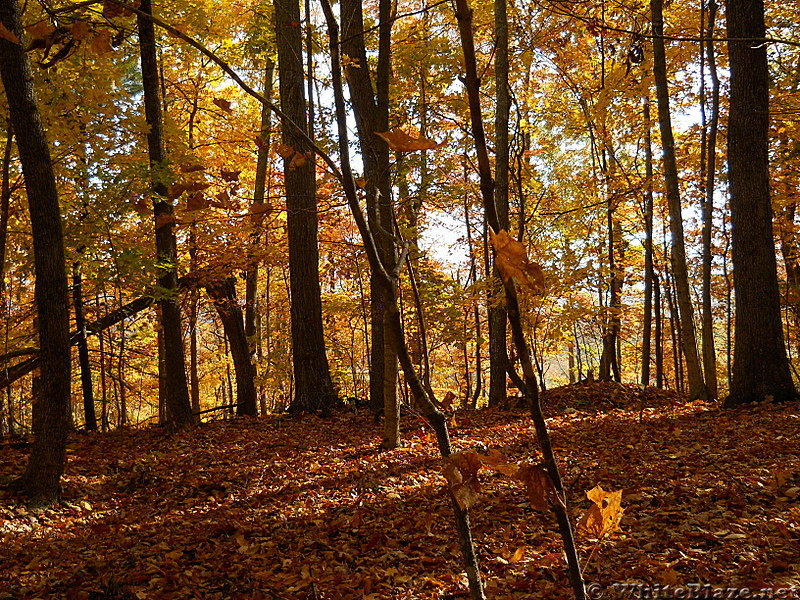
178 407
314 390
760 365
52 407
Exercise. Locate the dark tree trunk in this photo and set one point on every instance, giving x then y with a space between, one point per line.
760 365
223 293
648 249
178 406
498 350
83 349
313 386
52 407
371 110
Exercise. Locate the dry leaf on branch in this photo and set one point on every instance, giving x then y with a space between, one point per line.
223 104
8 35
400 141
461 472
537 484
511 259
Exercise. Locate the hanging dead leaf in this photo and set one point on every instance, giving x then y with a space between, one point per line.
102 43
111 10
447 401
223 104
399 141
461 472
299 160
191 168
177 188
511 259
284 150
258 211
8 35
196 201
604 515
142 207
261 143
41 29
165 220
80 30
497 460
223 200
230 176
537 484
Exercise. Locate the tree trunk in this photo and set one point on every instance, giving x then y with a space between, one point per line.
498 350
710 156
314 389
371 111
647 325
760 366
223 293
179 409
90 416
697 387
52 407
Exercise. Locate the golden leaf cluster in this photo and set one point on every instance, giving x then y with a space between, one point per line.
511 259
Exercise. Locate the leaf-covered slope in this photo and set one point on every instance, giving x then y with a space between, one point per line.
290 508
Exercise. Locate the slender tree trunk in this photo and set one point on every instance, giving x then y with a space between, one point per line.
498 350
83 349
179 409
658 332
710 156
531 391
6 405
697 386
760 365
223 293
371 110
314 390
52 408
648 248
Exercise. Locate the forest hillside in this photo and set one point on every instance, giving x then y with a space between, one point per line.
284 507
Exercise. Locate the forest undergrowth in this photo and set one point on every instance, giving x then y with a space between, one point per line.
309 508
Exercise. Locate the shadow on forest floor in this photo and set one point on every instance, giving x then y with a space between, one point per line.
307 508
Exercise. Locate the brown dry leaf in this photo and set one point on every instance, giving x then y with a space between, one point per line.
284 150
80 30
461 472
101 43
111 10
164 220
223 104
604 515
196 201
261 143
299 160
142 207
496 460
259 211
518 555
400 141
8 35
191 168
447 401
511 259
537 484
177 188
223 200
40 30
230 176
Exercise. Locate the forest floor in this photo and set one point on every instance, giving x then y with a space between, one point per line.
307 508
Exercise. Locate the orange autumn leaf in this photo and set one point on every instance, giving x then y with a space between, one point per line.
177 188
399 141
261 143
285 151
447 401
165 220
497 461
511 259
604 515
230 176
196 201
191 168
